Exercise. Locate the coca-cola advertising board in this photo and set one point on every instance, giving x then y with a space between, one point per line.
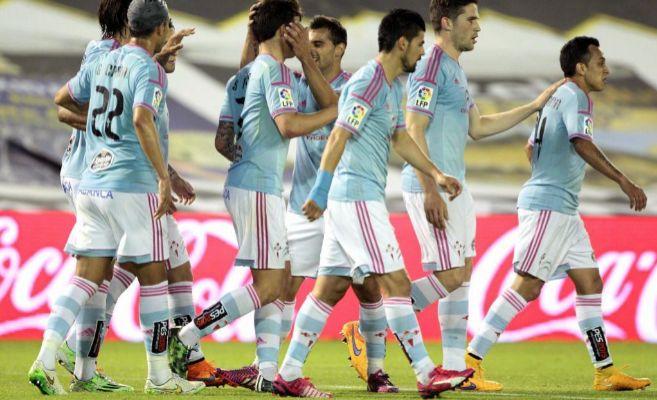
33 269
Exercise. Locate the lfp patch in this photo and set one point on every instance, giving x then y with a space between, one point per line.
286 97
588 126
356 115
157 98
423 97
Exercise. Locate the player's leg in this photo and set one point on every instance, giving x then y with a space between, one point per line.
373 326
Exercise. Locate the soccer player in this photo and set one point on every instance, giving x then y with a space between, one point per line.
328 41
553 241
359 243
118 212
440 115
253 192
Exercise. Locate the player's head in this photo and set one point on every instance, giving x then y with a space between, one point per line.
582 59
149 19
170 65
328 39
458 19
113 18
270 20
403 31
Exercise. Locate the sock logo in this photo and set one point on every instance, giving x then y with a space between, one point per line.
598 343
98 339
160 337
210 316
182 320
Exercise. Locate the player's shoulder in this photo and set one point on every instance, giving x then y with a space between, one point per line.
367 83
277 72
572 96
97 48
431 66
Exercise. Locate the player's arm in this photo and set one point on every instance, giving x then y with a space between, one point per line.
172 46
434 206
295 124
597 159
64 100
482 126
318 196
409 151
224 140
250 47
297 37
74 120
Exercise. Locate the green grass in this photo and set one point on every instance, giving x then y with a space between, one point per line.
544 370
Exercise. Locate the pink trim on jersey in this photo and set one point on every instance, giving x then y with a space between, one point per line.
285 76
70 93
337 77
535 244
419 110
280 111
141 48
373 88
226 118
380 66
580 136
348 127
146 105
433 66
115 44
262 233
370 237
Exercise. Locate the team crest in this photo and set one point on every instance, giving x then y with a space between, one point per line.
157 98
286 97
356 116
423 98
588 126
103 160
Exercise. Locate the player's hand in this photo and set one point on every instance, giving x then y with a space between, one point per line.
311 210
297 36
450 185
165 200
543 98
435 209
183 190
636 195
252 11
173 45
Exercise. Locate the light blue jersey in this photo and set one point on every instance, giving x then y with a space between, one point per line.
261 150
557 169
73 159
439 89
310 148
114 85
233 105
370 108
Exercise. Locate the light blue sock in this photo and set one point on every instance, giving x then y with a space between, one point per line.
453 318
426 291
89 338
588 309
267 321
373 327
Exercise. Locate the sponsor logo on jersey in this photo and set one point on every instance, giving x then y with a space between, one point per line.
423 98
588 126
157 98
356 116
101 194
103 160
286 97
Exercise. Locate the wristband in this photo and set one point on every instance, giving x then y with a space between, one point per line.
319 192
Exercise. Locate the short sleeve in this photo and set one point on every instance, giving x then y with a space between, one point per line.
578 118
401 122
422 89
79 87
150 81
279 90
226 114
354 109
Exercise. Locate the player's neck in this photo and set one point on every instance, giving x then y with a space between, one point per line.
445 43
332 72
392 65
581 83
145 43
273 48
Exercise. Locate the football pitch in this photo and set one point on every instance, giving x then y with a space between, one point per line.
539 370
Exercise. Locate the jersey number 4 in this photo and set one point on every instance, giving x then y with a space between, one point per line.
118 110
539 129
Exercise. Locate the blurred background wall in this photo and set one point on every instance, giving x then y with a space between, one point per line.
41 43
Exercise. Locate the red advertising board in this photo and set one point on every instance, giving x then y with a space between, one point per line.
33 269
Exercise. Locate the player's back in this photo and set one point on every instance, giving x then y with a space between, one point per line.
369 108
233 105
439 89
309 149
557 169
73 159
261 150
119 82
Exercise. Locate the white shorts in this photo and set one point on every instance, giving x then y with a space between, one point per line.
70 187
550 243
177 250
304 239
259 222
359 241
119 225
448 248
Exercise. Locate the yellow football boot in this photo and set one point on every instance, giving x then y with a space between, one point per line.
356 347
612 378
477 382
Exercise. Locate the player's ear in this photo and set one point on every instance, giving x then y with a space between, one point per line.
580 68
445 24
402 44
340 49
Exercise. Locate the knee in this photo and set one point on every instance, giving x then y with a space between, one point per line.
268 292
330 296
451 279
396 284
368 292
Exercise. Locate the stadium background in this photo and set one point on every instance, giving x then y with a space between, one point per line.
517 56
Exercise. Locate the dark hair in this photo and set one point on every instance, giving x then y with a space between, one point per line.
270 15
335 28
113 17
575 51
446 8
397 23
